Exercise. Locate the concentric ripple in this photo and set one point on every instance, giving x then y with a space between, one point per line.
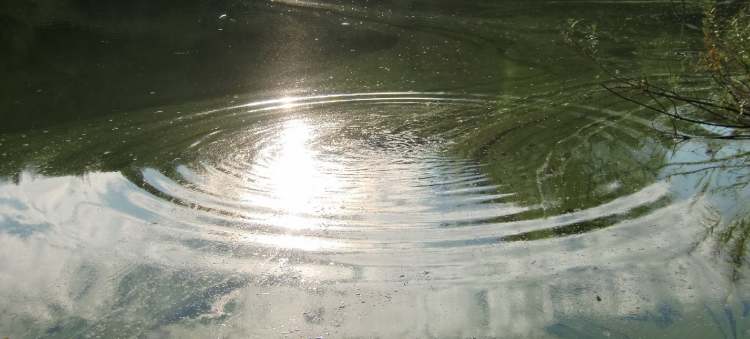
382 178
356 200
384 171
252 169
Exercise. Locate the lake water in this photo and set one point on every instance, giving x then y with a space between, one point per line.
347 169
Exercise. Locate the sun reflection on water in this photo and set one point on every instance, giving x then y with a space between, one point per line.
299 183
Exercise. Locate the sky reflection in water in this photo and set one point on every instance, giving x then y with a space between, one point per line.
324 223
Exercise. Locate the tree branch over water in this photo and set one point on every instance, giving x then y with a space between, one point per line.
709 99
723 63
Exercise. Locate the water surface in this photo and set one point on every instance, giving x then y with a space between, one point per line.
355 169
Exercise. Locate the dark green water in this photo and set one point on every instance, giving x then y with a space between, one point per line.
389 169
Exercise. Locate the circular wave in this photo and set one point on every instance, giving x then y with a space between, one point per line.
388 171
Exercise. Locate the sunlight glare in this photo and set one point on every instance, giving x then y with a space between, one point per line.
298 180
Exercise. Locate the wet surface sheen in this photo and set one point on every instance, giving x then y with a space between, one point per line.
400 169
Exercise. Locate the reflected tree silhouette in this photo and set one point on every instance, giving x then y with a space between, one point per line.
727 238
707 102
